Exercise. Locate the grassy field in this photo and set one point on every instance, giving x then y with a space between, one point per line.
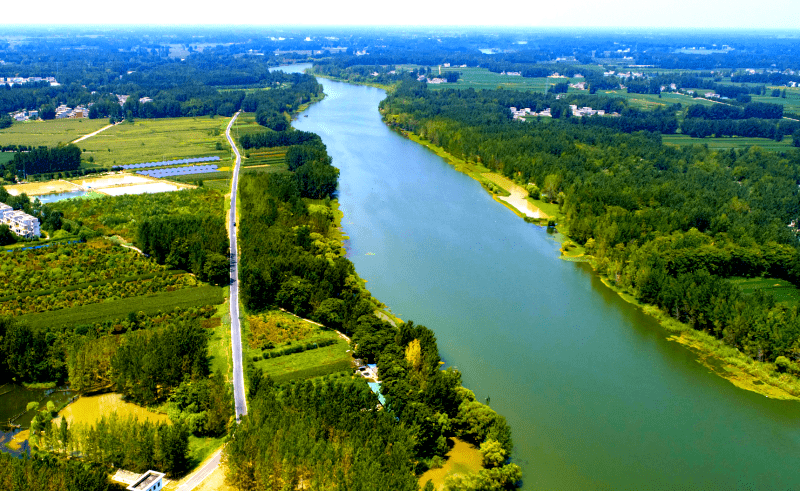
307 364
222 185
118 309
6 157
201 448
266 156
148 140
274 331
219 344
88 410
783 291
482 78
50 133
463 458
729 142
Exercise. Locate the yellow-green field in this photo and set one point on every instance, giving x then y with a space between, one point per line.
50 133
463 458
148 140
727 143
88 410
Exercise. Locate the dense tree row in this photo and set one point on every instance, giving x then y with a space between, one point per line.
148 365
760 110
47 473
318 436
269 139
666 223
196 243
127 443
204 406
42 159
751 128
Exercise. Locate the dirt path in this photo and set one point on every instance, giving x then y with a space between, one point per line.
94 133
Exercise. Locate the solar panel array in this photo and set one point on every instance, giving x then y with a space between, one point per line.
179 171
165 163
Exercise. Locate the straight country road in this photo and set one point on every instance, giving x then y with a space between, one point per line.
202 473
236 331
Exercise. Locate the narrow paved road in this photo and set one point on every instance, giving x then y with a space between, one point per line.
202 473
236 331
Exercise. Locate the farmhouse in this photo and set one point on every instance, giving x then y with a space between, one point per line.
149 481
19 222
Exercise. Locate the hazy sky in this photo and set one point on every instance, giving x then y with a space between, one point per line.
778 14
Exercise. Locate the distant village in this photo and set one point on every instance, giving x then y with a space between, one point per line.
63 111
577 112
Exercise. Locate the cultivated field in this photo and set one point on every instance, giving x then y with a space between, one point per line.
729 142
119 309
50 133
783 291
89 410
148 140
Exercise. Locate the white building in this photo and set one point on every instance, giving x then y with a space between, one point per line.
149 481
19 222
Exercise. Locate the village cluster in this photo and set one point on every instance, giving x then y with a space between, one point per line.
577 112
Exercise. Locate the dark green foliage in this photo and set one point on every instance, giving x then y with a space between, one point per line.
204 406
275 121
42 159
193 243
27 354
134 445
281 263
6 235
47 473
328 435
149 364
268 139
5 121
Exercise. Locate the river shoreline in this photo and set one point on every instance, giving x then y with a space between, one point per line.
721 359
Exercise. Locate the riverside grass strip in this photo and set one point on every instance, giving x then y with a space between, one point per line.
119 309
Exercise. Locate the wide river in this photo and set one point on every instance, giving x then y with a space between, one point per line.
597 397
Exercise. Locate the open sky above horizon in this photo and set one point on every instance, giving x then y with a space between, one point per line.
733 14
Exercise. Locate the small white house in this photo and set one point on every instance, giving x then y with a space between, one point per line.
149 481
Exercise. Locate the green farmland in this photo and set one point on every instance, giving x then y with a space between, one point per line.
118 309
307 364
148 140
50 133
783 291
727 143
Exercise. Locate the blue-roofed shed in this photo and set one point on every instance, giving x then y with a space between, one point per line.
376 388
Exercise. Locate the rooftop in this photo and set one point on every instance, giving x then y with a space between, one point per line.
145 480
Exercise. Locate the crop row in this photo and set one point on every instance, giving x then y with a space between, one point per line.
93 294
